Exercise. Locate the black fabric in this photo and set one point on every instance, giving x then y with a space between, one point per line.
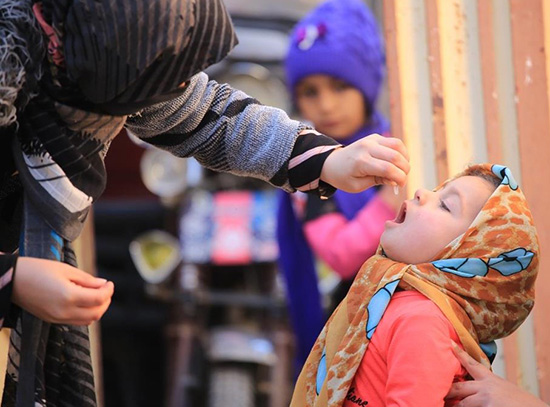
44 134
11 194
10 215
127 54
7 263
317 207
7 166
48 364
299 176
119 56
325 190
310 169
76 154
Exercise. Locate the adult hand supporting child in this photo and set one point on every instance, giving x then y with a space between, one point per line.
487 389
370 161
59 293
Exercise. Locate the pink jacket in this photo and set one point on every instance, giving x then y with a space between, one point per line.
345 245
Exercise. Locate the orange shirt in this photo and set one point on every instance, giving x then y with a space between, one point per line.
409 361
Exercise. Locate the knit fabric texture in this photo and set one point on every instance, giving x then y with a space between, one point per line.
223 128
343 28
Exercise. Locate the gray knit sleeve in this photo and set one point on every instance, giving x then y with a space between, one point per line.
224 129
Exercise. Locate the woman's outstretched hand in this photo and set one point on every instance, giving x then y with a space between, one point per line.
372 160
487 389
59 293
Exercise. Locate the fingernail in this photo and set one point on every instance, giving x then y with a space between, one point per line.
396 190
101 280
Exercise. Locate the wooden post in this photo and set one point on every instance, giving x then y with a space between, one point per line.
411 110
438 105
84 248
533 109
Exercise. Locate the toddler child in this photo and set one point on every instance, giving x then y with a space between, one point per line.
457 264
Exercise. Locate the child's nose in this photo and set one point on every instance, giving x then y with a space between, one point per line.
326 102
422 195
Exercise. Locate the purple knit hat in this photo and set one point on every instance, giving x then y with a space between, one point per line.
339 38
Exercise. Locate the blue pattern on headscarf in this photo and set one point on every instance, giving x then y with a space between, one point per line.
512 262
505 175
506 263
462 267
377 306
490 350
321 372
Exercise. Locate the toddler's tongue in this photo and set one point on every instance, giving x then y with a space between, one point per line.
400 218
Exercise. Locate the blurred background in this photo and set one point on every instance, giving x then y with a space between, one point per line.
199 311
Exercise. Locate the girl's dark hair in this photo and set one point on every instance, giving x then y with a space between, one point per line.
482 172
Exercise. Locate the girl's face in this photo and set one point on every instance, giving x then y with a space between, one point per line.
335 108
433 219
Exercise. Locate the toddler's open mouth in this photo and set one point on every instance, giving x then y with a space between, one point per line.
400 218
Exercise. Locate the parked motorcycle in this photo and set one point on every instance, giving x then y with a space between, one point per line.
229 341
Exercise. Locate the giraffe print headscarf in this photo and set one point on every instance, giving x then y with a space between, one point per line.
483 282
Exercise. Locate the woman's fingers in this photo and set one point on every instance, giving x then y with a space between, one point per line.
386 173
391 156
460 390
87 316
82 278
365 163
382 159
488 389
82 315
472 366
92 297
59 293
470 392
395 144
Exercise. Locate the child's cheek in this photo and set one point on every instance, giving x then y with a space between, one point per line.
426 218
